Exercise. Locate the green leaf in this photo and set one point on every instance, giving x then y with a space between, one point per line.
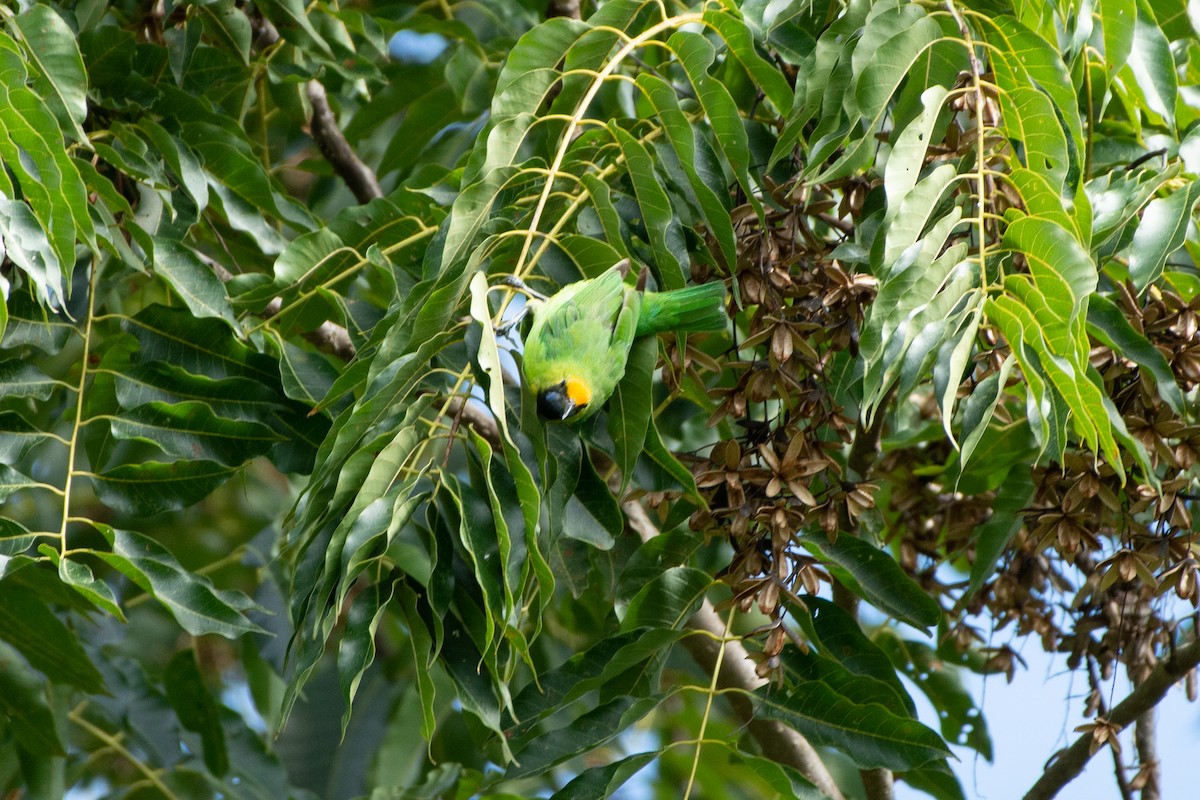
993 536
696 54
19 378
201 290
662 226
1118 18
227 24
190 430
198 606
154 488
159 382
871 734
33 629
356 651
962 722
668 600
840 638
630 407
583 734
13 481
292 20
875 576
489 354
79 576
1153 68
196 709
198 345
1160 233
27 245
741 46
1107 323
50 44
681 133
23 701
17 436
907 158
597 783
610 662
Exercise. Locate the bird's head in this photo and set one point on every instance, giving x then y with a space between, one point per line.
564 400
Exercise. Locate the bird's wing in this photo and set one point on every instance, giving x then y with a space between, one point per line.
599 300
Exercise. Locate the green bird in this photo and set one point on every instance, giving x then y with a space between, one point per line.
576 349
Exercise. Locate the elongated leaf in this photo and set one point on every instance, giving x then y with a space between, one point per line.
682 136
154 487
601 782
200 346
583 734
842 639
695 55
12 480
197 605
356 651
190 430
877 578
1153 67
1109 325
668 600
1160 233
33 629
229 25
489 353
18 378
961 720
662 227
201 291
79 576
196 708
872 735
23 701
629 409
63 79
741 46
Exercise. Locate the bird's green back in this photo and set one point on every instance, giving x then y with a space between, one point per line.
583 331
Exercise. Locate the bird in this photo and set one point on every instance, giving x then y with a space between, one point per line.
577 347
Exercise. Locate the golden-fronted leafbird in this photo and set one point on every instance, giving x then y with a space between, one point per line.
576 349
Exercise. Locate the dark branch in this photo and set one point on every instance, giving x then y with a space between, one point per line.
337 151
563 8
1070 762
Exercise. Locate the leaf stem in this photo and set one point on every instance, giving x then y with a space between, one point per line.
76 426
578 116
708 703
114 742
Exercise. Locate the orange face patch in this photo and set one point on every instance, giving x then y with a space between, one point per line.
578 391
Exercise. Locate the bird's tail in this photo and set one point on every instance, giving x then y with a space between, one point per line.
694 308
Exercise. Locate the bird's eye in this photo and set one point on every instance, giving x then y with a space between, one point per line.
554 404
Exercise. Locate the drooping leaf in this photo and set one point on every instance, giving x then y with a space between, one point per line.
197 605
23 702
33 629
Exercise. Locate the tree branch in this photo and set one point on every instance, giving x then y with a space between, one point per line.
1070 762
358 176
777 741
